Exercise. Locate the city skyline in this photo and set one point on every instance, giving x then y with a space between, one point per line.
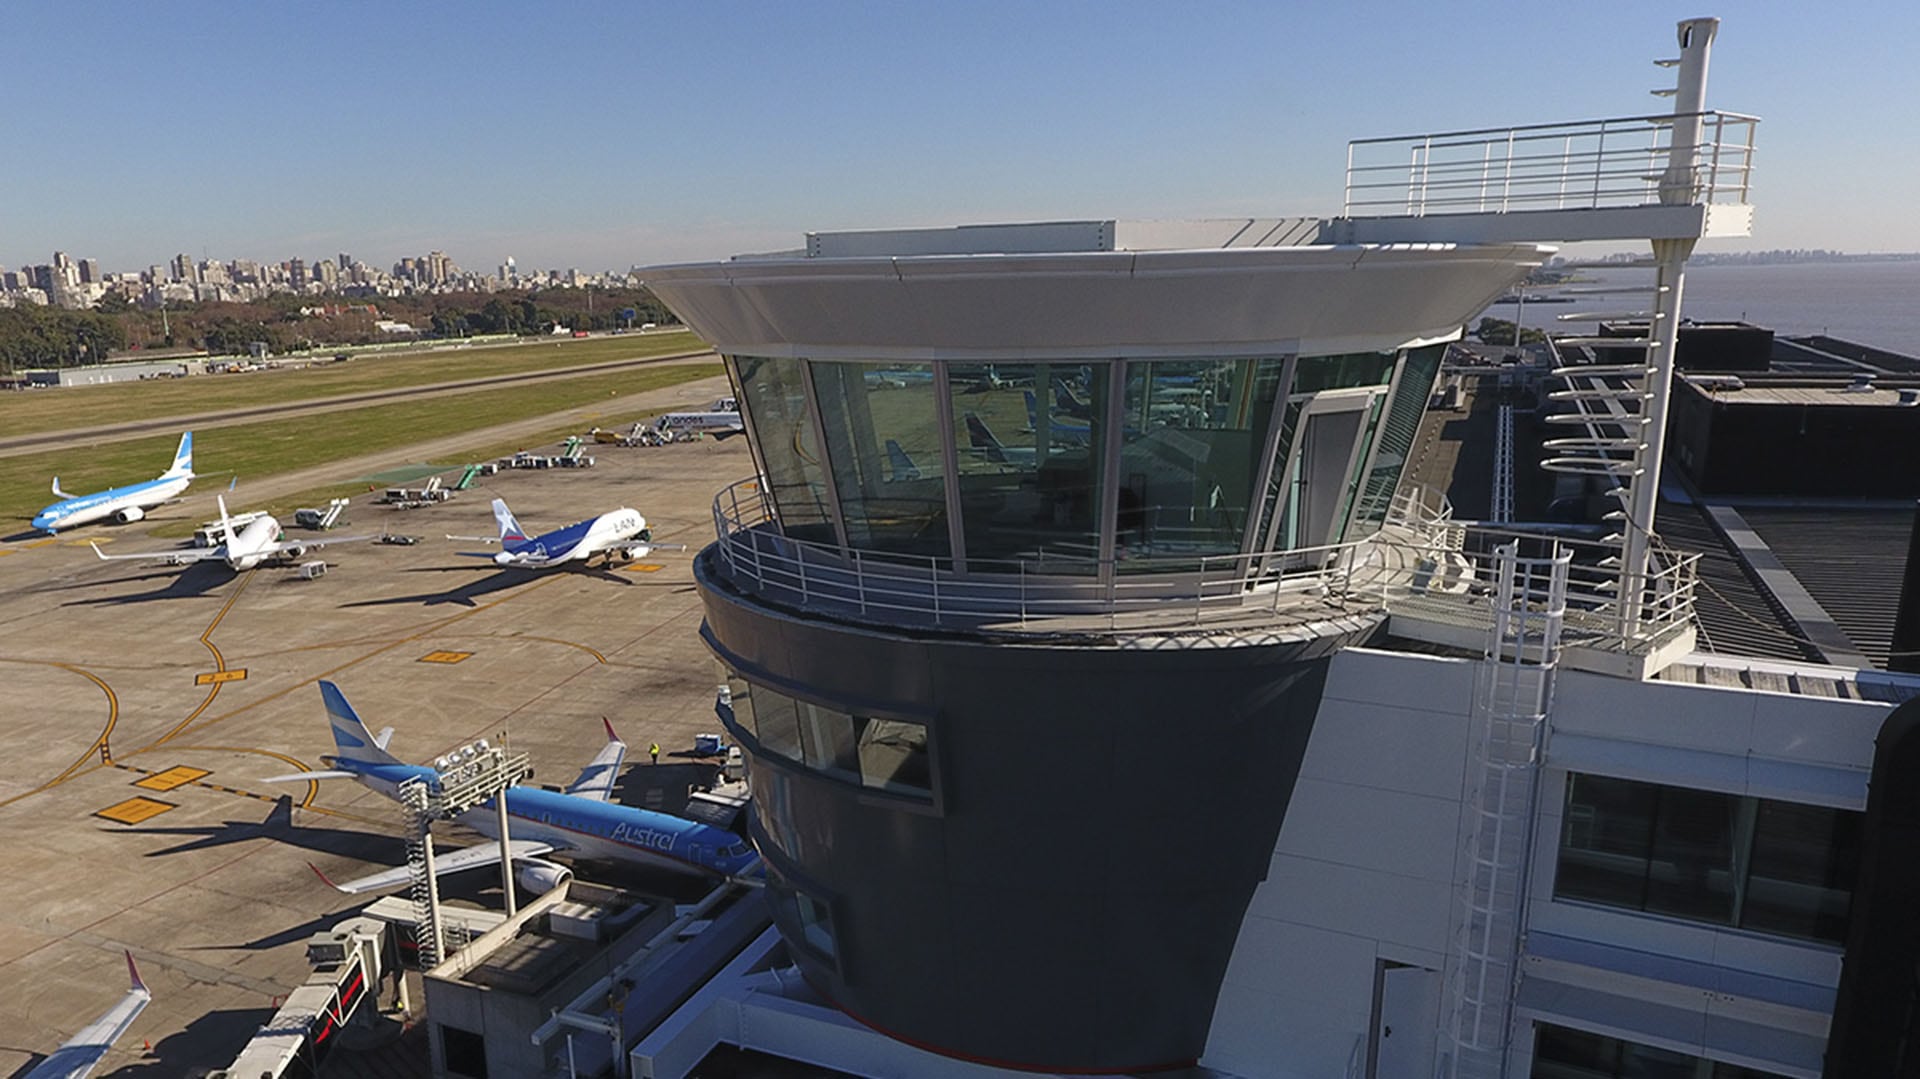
601 136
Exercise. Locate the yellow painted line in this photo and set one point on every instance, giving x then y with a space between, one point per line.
644 567
135 810
219 663
42 542
445 657
214 678
86 543
178 776
5 551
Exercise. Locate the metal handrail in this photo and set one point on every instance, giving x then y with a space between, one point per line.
1420 552
1601 163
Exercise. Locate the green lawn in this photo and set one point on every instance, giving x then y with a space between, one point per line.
83 406
268 447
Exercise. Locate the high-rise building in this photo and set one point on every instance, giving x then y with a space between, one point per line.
90 271
183 268
297 273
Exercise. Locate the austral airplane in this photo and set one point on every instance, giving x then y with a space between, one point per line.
621 534
123 504
77 1056
581 822
254 543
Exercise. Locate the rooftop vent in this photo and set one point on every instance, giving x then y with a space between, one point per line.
1861 384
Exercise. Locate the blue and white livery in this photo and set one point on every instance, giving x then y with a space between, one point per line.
621 534
124 504
581 823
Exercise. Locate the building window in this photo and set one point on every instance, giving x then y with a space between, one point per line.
1757 864
882 426
881 754
774 395
808 914
464 1051
1564 1053
1028 440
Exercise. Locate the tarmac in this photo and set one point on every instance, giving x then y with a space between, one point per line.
145 707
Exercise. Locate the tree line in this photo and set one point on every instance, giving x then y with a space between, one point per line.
36 337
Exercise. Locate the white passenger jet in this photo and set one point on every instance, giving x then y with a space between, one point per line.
124 504
582 822
252 544
719 419
621 534
77 1056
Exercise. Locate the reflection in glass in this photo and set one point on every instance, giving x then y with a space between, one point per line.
1774 867
893 756
1028 438
1342 372
883 754
1397 435
882 426
1565 1053
776 401
1190 452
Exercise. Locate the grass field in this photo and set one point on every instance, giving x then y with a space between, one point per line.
82 406
269 447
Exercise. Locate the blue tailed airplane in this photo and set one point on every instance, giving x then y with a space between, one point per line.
123 504
581 823
621 534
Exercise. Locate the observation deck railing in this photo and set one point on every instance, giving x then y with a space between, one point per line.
1421 564
1587 164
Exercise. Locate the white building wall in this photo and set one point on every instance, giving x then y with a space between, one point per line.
1362 874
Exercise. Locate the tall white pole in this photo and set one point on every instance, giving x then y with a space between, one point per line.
506 852
1678 186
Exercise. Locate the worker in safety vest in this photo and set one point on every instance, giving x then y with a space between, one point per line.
654 750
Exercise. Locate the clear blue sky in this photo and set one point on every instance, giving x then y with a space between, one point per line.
608 135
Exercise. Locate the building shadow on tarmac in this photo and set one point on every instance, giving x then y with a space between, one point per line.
192 582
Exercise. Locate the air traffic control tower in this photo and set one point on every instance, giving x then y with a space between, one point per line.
1029 609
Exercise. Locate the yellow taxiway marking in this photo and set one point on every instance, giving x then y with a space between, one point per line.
445 657
5 551
214 678
134 810
42 542
178 776
644 567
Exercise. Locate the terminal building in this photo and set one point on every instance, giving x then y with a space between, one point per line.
1113 704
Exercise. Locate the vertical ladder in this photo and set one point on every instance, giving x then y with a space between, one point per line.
418 823
1513 687
1503 466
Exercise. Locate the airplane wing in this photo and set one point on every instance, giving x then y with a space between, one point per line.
171 558
596 779
465 858
474 539
77 1056
279 548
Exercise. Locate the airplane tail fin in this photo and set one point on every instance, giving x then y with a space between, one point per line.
226 522
980 437
509 528
133 976
901 465
355 742
57 492
182 458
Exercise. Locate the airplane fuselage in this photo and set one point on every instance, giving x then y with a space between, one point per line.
85 509
584 827
577 542
250 546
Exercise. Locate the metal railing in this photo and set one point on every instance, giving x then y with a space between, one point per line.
1419 558
1588 164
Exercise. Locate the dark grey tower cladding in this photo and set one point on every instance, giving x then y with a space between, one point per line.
1027 614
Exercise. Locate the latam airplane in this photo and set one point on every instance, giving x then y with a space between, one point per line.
621 534
78 1055
124 504
581 822
252 544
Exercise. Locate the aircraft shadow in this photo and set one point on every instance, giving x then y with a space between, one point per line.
213 1036
467 594
277 826
191 582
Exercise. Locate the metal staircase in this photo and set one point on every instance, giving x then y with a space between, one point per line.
417 819
1512 692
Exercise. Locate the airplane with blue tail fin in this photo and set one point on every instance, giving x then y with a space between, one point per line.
620 535
582 822
123 504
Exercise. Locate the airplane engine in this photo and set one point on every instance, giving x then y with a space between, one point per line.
542 877
293 550
129 515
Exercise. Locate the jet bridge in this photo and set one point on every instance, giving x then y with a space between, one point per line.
348 962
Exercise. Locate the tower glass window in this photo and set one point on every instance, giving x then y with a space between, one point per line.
1029 474
775 397
882 427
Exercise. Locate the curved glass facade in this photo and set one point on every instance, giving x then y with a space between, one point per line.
1084 468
